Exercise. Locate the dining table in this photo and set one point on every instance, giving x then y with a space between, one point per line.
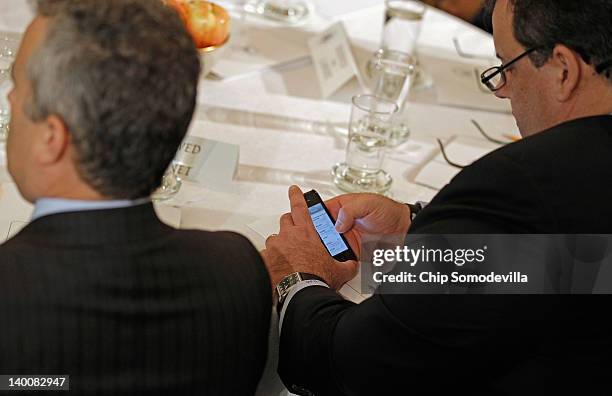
262 95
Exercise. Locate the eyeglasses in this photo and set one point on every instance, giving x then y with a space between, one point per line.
482 132
495 77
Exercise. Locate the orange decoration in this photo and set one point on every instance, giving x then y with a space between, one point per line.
208 23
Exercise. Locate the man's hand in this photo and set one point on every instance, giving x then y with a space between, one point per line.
298 248
362 214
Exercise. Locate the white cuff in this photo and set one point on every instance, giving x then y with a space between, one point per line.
298 286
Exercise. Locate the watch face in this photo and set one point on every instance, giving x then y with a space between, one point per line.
287 282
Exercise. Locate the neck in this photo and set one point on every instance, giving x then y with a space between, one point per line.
70 186
76 194
590 102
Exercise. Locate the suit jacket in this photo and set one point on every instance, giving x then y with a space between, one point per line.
558 181
126 305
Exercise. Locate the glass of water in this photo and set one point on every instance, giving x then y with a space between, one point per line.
401 31
8 47
402 27
287 11
369 132
392 74
170 186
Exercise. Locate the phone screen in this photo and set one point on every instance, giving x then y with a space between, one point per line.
326 230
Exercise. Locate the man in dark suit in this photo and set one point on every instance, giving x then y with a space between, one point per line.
96 287
557 73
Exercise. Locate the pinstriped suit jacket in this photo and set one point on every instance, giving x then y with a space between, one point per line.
126 305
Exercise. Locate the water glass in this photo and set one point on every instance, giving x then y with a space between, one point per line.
369 132
401 30
287 11
170 186
393 74
402 26
8 47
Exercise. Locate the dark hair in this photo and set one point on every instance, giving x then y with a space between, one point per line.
123 76
585 26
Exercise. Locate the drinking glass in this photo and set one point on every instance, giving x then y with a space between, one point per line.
369 132
8 47
401 30
393 74
240 39
170 186
402 26
288 11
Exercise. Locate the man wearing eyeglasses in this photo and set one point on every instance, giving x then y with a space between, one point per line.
557 73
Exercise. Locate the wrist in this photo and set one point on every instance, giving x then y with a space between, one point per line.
284 286
405 219
416 208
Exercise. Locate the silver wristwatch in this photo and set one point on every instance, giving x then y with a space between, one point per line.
284 286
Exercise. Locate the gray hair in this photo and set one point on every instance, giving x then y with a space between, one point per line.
122 75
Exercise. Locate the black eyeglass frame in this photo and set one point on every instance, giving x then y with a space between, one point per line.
485 79
482 132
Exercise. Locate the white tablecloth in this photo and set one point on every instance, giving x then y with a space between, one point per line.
276 116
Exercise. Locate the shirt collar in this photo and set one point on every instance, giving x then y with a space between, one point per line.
48 206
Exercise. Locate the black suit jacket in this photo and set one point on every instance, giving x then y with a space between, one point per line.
559 181
126 305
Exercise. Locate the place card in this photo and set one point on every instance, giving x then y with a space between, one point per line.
207 162
333 59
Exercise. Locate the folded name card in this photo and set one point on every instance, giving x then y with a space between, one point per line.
333 59
207 162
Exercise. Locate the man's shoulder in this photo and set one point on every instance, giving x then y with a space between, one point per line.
558 152
33 243
220 253
588 134
529 185
229 242
218 260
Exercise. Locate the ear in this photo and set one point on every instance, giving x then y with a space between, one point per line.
567 71
53 141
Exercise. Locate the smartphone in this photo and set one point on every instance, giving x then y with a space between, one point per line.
334 242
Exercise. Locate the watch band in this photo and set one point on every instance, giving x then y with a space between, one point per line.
281 308
286 284
416 208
